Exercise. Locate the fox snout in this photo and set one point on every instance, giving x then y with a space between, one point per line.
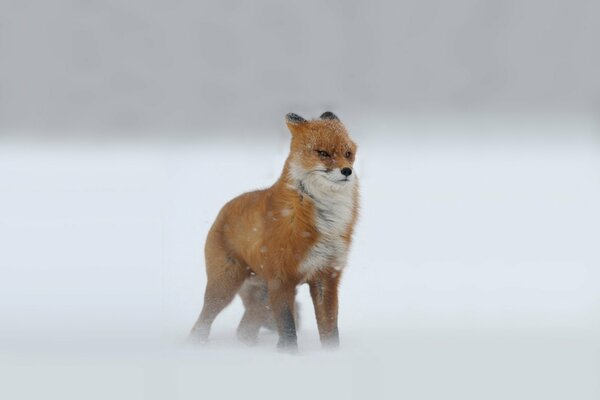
342 174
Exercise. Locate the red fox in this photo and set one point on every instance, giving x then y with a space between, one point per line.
265 243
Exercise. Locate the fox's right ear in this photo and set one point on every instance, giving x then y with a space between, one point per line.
329 115
294 121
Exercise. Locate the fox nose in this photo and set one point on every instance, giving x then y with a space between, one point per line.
346 171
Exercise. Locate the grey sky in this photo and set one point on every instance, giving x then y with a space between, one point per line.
139 66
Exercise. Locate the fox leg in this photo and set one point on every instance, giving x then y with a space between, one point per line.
324 293
282 301
255 296
225 275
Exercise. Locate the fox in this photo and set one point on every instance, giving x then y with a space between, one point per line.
265 243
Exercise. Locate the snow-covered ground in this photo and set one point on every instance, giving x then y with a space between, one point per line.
475 271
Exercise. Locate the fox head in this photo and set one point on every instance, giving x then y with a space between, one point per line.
322 153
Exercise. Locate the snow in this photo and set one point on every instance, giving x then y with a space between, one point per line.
474 272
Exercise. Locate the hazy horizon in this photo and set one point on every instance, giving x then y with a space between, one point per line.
94 68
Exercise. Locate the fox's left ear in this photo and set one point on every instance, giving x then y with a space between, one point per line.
329 115
295 123
294 119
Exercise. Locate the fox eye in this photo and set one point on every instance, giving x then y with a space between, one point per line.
322 153
347 154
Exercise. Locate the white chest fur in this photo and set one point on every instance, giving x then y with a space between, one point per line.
334 207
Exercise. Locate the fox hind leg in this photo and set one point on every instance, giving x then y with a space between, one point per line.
255 296
225 275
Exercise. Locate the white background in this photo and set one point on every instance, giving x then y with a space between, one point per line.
475 270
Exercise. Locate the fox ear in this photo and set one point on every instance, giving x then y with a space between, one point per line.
329 115
295 123
294 119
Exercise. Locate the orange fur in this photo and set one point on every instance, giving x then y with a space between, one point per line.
270 233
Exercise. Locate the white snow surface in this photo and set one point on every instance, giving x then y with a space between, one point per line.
474 273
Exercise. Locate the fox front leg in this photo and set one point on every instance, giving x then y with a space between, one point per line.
324 293
282 301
